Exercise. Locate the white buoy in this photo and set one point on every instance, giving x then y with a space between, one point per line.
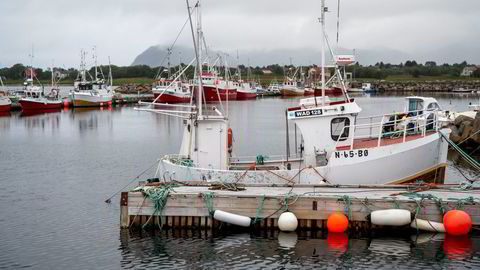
287 239
391 217
287 222
232 218
426 225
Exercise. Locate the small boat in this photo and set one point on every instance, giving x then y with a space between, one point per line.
273 89
245 90
5 102
171 91
91 93
292 88
463 90
35 98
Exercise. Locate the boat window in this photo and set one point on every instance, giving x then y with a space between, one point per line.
414 107
337 126
433 106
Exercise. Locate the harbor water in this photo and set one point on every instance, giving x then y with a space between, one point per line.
57 169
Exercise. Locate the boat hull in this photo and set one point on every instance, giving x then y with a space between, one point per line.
87 100
210 93
246 95
292 92
171 98
40 105
389 164
333 91
5 107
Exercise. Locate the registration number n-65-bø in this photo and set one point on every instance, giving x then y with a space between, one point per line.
351 153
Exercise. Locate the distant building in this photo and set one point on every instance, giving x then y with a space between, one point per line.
266 71
468 71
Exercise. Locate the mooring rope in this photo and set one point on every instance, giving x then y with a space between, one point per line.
159 197
259 212
208 201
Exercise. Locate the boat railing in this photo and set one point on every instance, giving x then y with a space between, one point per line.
392 117
391 128
266 159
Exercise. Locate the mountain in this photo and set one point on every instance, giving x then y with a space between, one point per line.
154 55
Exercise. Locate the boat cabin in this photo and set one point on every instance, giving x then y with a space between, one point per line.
416 105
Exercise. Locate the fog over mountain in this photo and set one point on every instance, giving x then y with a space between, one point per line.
154 55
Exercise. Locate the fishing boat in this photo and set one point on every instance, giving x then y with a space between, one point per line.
273 89
93 92
35 97
245 90
5 102
171 91
292 88
338 146
309 91
216 88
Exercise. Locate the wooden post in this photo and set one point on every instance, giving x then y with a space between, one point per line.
124 218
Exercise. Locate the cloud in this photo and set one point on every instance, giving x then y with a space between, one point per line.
58 29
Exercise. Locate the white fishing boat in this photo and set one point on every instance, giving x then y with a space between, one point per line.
5 102
91 91
339 146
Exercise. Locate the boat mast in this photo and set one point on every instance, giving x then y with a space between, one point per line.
197 54
95 59
322 21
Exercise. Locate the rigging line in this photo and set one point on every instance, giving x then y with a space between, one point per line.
173 44
109 199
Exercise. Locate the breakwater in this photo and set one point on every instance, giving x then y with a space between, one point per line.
425 86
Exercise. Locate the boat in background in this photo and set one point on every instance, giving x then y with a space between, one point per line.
309 91
5 102
35 98
245 90
217 88
292 88
171 91
95 92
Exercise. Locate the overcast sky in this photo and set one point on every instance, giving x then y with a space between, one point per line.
381 30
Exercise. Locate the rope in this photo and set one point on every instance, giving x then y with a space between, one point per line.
460 203
159 197
109 200
348 206
468 158
259 213
208 200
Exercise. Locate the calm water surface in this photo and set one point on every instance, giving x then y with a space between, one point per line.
56 169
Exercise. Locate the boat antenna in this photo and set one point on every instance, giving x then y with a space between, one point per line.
338 19
195 47
322 21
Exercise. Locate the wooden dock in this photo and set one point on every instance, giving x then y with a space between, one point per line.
190 207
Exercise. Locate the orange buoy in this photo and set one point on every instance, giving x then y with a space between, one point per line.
457 222
230 140
337 222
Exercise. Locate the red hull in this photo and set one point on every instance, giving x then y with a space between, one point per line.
310 92
167 98
211 93
334 91
246 95
34 105
5 108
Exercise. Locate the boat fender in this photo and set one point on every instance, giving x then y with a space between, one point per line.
426 225
230 140
457 222
232 218
287 222
390 217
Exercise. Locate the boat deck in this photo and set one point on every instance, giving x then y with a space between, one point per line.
373 142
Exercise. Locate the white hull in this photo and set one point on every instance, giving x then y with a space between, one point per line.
91 97
383 165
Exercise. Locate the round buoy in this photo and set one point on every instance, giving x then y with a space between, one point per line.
337 223
457 222
287 222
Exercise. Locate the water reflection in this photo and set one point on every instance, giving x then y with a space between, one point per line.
41 119
174 248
